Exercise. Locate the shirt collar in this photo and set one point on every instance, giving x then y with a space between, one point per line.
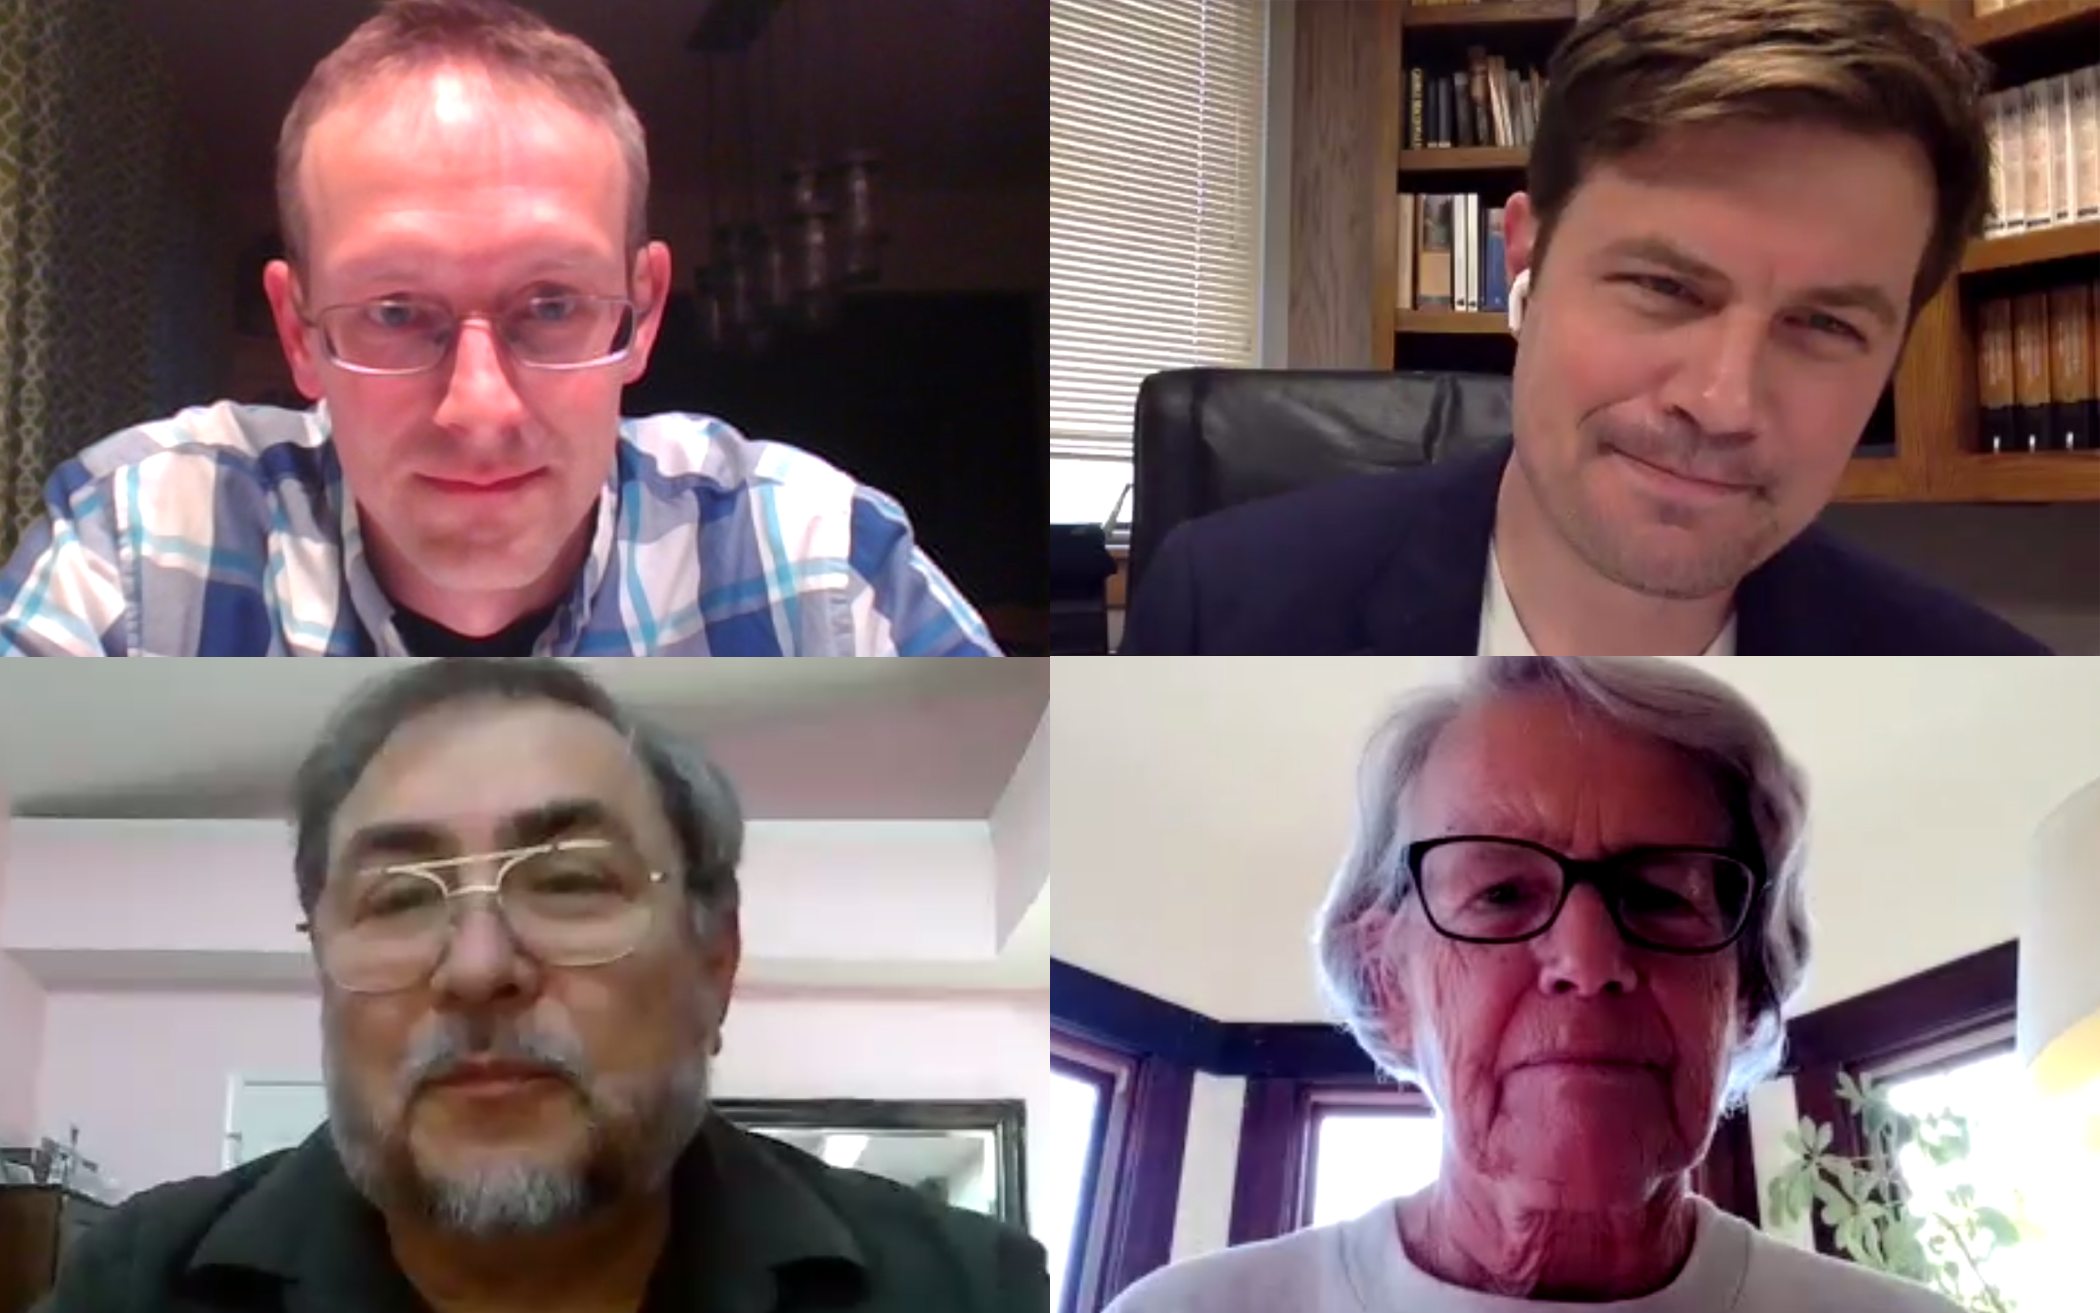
1502 632
743 1227
375 611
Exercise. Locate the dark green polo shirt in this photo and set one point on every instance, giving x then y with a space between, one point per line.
756 1227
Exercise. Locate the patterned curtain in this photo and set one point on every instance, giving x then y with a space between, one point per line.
111 304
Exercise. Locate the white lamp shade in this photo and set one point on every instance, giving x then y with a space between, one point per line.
2059 1009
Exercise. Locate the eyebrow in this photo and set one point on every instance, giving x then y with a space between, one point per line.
1658 250
390 268
417 840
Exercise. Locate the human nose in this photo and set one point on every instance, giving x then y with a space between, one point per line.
481 961
480 395
1582 952
1718 386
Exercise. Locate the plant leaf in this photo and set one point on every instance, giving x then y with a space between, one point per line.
2002 1229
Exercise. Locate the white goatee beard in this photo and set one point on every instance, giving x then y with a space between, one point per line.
508 1199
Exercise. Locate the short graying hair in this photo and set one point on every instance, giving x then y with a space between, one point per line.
698 800
513 47
1672 703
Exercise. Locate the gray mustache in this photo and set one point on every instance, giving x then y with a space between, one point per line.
445 1047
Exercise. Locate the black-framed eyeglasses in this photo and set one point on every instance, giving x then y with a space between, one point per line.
1487 889
394 336
569 903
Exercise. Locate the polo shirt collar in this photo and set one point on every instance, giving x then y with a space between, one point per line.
745 1230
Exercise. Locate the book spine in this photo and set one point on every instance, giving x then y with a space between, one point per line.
2056 113
1994 120
2035 113
1497 257
1404 266
1414 109
2031 368
1461 250
2085 134
1433 270
1994 373
2071 383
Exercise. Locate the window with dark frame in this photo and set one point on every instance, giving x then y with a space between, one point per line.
1395 1126
1956 1016
1075 1274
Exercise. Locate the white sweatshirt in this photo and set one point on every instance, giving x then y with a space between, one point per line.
1361 1267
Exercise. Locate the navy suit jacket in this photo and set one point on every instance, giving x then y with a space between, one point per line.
1396 564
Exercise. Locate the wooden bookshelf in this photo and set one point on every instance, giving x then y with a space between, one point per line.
1496 13
1461 159
2053 19
1449 321
1937 414
2067 241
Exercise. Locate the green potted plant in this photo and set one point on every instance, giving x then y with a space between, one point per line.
1946 1245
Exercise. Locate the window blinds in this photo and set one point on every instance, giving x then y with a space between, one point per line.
1155 202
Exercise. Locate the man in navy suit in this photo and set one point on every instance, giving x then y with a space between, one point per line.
1746 210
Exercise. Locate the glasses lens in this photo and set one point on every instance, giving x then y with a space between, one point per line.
384 930
1487 889
568 330
1684 900
398 333
578 904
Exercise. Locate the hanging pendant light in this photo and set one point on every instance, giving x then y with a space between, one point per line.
857 248
807 229
709 301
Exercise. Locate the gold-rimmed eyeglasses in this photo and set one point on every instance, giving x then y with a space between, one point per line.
568 903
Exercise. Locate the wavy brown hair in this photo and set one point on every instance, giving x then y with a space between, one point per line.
1638 69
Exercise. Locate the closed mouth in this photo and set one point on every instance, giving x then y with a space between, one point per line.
1588 1060
495 1074
505 484
1714 485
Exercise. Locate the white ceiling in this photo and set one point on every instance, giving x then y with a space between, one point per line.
829 740
950 93
1199 808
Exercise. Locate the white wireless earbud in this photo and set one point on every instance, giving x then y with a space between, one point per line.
1518 290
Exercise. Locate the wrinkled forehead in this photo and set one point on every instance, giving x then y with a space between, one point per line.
453 161
487 775
1795 204
1531 765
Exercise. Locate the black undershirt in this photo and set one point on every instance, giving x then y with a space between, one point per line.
426 637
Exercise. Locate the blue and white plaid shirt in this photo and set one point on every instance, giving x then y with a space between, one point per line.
225 531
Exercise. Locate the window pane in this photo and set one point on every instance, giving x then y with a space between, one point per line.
1064 1139
1361 1159
1086 491
1989 1094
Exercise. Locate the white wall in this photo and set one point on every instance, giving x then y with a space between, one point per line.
21 1046
145 1074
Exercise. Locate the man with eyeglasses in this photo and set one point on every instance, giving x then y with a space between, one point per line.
468 285
523 905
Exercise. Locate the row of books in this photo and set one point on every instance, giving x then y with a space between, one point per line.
1486 103
1452 254
2045 153
2038 369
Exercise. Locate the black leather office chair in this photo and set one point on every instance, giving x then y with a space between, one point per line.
1207 439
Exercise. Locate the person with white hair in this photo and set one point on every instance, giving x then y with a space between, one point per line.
1571 912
